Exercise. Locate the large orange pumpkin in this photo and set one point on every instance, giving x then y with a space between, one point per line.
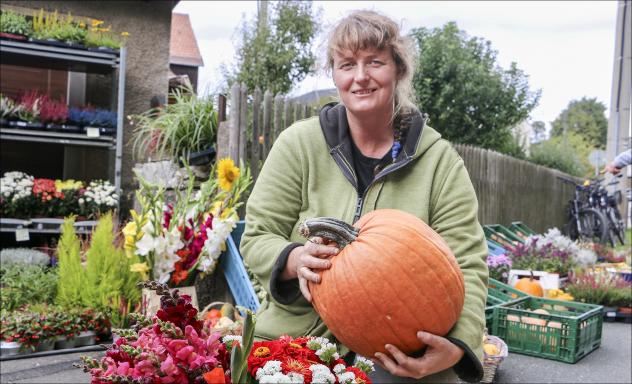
397 277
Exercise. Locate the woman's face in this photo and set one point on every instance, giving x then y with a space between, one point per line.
365 80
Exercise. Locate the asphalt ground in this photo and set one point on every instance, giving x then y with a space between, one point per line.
610 363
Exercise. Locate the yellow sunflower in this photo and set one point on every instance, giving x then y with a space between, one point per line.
227 173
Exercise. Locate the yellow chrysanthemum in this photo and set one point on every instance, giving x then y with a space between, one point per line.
68 184
141 268
227 173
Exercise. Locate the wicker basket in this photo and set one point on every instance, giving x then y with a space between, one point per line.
234 328
491 362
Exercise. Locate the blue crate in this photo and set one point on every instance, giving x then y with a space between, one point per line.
234 270
494 248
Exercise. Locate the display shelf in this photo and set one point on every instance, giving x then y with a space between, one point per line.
43 225
57 138
61 58
33 54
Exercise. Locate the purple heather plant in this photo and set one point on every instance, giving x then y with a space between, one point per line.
541 257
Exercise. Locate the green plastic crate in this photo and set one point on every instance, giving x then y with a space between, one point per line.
498 293
521 228
569 332
501 235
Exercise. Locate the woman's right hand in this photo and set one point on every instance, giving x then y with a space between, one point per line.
304 262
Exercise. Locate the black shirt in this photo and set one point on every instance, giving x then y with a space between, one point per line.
367 167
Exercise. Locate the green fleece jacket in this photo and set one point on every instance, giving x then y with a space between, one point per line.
309 173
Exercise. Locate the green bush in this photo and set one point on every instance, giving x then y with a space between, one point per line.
24 256
26 284
561 155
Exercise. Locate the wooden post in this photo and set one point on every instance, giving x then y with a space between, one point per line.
278 117
233 141
221 108
267 123
289 116
243 140
255 149
223 133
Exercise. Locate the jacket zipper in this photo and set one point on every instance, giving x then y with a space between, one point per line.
389 169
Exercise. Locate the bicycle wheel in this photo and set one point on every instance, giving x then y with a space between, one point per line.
593 226
616 228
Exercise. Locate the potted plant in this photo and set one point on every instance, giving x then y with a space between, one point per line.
601 287
67 327
499 267
179 130
102 38
9 110
29 111
88 323
10 336
53 113
14 26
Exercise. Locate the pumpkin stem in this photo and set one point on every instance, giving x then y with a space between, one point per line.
330 229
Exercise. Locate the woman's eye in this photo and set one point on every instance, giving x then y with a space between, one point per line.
376 63
346 65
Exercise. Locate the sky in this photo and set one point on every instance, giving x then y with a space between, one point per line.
566 47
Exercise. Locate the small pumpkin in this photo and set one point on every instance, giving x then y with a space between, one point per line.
394 276
530 286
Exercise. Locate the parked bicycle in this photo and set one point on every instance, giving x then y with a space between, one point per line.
608 204
585 223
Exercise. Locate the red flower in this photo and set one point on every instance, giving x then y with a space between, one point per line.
299 366
216 376
181 313
361 377
261 353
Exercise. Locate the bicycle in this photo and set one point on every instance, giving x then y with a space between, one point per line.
600 199
585 222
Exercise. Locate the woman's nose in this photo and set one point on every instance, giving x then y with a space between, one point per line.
361 73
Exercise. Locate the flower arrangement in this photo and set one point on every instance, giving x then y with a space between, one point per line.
303 360
171 347
600 287
551 252
90 116
176 240
174 347
499 266
24 196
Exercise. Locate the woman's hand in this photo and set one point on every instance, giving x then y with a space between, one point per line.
440 354
304 260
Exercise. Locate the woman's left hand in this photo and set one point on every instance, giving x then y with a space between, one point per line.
440 354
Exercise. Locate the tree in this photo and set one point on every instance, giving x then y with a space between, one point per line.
539 131
466 94
276 54
587 118
569 155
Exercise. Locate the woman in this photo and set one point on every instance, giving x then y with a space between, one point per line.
371 151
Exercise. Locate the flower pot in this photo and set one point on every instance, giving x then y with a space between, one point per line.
625 310
85 338
202 157
10 348
68 128
35 126
64 343
45 345
12 36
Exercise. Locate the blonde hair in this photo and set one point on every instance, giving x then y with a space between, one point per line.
371 30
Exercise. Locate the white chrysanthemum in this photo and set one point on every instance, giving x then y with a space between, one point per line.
585 257
296 378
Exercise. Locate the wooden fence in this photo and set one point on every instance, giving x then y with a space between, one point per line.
508 189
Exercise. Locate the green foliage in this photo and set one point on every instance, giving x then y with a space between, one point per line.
111 284
187 125
14 23
62 28
72 279
569 156
26 284
468 97
276 55
585 117
23 256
